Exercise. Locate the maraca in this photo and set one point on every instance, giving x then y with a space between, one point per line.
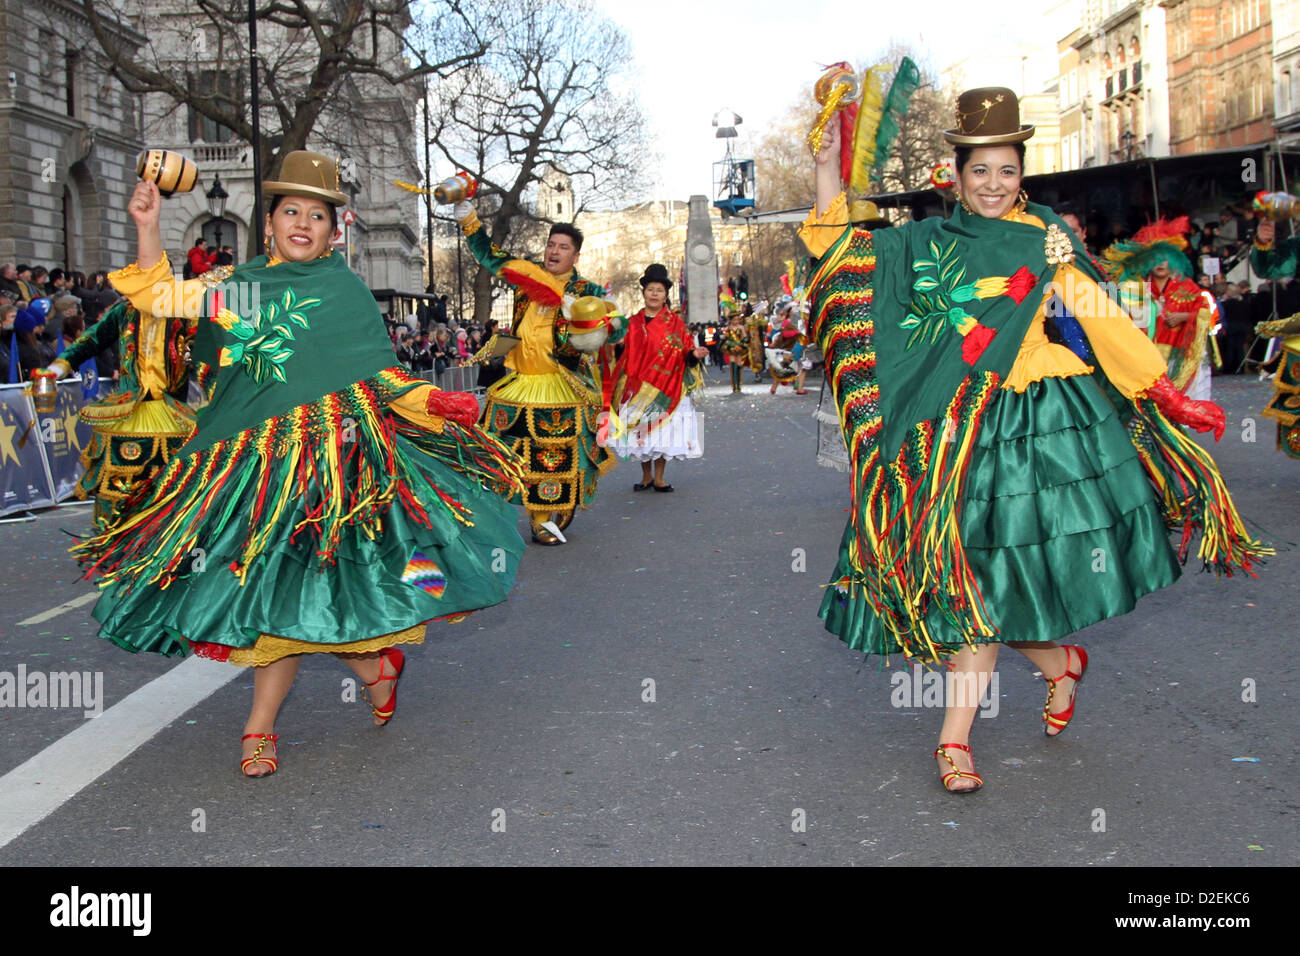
459 187
836 89
45 390
588 329
1276 206
172 172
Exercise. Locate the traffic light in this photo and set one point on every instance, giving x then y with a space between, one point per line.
742 287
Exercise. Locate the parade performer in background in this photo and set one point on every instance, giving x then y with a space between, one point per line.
652 393
138 427
1156 255
756 323
988 467
327 501
547 407
782 355
1279 262
735 346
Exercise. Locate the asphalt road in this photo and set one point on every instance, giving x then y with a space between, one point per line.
530 735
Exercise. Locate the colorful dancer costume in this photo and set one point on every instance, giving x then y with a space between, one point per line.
989 470
1184 345
139 427
327 502
652 393
735 346
1278 261
547 407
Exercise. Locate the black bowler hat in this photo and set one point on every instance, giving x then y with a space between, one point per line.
656 273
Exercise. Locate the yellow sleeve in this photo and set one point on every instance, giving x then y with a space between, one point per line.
820 232
412 406
1130 359
155 291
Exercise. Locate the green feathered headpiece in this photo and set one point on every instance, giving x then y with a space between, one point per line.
1162 242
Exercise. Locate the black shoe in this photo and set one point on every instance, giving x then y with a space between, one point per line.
662 487
640 487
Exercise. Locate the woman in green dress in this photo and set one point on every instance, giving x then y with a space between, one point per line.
997 496
327 502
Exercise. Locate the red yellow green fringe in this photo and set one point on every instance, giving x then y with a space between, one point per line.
1192 494
338 454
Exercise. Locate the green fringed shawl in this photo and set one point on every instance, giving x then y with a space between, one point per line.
301 330
920 326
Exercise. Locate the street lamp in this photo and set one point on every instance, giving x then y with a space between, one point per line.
1127 141
217 197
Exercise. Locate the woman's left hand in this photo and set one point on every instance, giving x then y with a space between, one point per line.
700 352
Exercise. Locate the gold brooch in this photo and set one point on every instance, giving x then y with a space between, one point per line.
1058 247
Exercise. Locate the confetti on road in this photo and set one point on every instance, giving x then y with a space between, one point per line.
1245 760
950 823
1253 846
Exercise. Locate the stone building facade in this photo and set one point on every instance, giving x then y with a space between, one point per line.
1285 15
1120 87
369 126
69 138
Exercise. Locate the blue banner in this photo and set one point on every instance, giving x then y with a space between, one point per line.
24 475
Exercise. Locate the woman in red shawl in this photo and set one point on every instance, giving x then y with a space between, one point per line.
652 417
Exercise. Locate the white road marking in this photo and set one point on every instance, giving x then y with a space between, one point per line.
35 789
62 608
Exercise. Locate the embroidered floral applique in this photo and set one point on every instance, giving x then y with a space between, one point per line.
937 295
263 348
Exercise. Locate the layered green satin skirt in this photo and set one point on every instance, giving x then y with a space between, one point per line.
414 561
1060 525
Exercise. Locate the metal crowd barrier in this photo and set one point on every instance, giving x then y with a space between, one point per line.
459 378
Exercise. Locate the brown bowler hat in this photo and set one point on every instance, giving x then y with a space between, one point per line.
988 116
309 174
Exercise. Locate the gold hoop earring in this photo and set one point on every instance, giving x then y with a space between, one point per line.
961 199
1022 200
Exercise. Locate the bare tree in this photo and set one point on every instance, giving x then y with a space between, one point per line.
319 64
548 99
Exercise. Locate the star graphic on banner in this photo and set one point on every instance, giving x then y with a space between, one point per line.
70 426
7 432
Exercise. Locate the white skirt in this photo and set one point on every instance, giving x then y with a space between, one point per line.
677 438
1199 387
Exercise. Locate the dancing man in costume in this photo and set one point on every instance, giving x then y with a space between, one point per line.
1278 261
139 426
548 405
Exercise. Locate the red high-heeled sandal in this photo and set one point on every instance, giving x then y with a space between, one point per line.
272 762
942 751
398 660
1062 720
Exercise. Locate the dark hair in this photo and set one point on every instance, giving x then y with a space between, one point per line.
201 241
961 154
1070 209
570 230
334 213
56 275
